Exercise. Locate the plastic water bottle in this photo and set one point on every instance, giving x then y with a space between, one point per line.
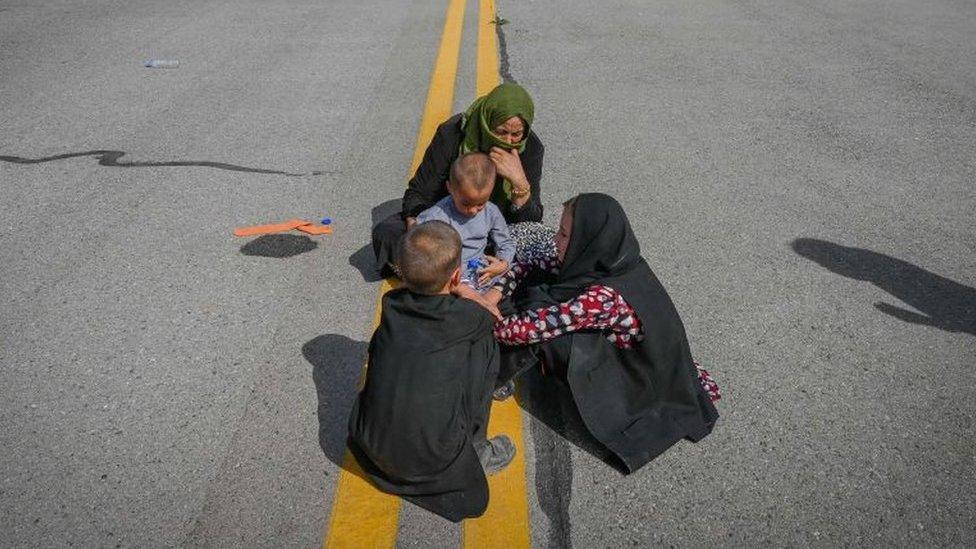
161 64
473 265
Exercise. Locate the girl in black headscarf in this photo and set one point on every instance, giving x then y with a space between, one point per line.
605 322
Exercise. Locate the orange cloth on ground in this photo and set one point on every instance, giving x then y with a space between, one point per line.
272 228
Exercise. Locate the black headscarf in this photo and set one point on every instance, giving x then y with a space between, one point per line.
601 246
637 402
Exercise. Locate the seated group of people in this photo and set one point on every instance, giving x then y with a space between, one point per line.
489 292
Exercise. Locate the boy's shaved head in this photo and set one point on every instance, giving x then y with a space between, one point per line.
427 256
474 170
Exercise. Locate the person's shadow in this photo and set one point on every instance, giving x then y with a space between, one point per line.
944 303
337 365
550 401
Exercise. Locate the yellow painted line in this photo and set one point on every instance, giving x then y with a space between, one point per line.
487 77
506 522
440 94
362 515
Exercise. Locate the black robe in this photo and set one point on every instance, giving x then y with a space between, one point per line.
637 402
429 184
432 367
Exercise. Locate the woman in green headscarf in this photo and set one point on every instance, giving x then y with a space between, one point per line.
498 124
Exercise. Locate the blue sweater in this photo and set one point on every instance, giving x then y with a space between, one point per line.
474 231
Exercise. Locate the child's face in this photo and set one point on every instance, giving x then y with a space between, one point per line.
468 200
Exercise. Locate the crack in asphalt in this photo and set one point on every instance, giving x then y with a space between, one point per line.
111 158
503 65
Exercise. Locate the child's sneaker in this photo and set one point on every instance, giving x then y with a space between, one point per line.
495 454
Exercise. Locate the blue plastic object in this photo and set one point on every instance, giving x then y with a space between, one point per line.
473 265
326 220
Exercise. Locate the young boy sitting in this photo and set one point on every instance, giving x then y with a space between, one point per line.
418 425
467 209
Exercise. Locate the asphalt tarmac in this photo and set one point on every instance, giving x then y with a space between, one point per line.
799 177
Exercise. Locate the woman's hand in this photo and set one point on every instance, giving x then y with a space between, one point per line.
509 166
494 268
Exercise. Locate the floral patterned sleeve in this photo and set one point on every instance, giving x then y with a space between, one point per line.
507 282
707 383
598 308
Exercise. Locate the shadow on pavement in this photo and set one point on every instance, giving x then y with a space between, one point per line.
279 246
337 364
546 401
111 158
944 303
365 262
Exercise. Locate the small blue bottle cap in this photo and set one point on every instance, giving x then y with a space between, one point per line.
326 220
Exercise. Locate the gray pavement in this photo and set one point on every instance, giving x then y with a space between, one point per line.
732 129
799 176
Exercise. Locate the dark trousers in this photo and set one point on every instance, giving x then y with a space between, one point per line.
386 234
552 357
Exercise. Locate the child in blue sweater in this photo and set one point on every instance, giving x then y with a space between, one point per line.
477 220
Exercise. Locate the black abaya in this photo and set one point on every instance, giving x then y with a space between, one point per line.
637 402
432 366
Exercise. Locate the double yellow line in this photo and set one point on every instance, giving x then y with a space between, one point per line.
362 516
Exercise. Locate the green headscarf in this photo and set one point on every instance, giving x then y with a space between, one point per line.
490 111
487 113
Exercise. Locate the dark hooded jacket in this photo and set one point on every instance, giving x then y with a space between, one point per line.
432 365
637 402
